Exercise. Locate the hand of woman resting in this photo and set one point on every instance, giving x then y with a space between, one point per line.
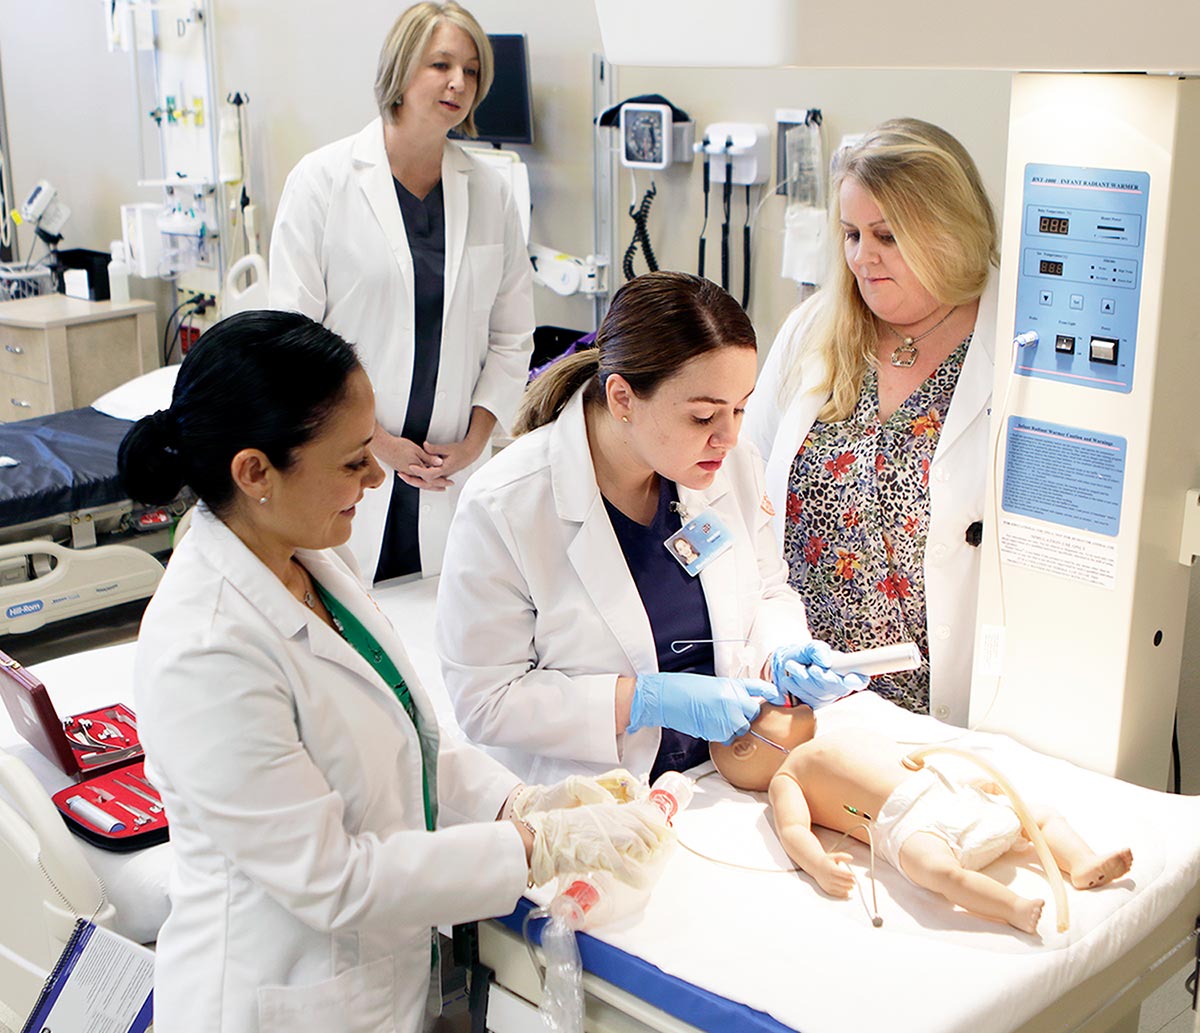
413 465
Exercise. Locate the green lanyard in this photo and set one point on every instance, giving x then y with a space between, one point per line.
365 644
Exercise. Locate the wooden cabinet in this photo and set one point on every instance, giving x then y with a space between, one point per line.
61 353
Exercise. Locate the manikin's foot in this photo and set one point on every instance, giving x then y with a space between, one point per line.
1025 915
1097 871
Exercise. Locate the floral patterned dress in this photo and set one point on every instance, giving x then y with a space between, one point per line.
857 521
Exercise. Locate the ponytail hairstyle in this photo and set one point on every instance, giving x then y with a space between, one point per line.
656 324
928 188
262 379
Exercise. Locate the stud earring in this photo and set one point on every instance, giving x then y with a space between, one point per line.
624 419
262 500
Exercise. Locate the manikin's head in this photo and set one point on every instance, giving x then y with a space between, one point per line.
750 763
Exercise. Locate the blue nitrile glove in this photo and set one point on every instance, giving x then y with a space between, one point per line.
801 671
708 707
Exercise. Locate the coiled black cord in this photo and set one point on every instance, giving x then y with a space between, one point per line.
641 236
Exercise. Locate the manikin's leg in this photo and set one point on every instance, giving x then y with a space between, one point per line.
1085 867
928 860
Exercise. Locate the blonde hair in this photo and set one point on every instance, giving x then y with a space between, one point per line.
657 322
405 44
930 192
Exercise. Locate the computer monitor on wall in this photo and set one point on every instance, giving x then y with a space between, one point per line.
506 114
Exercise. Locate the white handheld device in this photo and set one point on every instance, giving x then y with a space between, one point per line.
903 656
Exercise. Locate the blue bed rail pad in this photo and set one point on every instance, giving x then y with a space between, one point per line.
685 1001
66 461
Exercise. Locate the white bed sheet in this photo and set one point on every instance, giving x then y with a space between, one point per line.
771 940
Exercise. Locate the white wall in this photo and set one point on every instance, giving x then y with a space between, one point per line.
308 69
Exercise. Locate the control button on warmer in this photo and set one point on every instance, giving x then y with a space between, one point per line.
1064 344
1103 349
1108 306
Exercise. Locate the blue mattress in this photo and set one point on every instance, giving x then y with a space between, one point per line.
67 461
683 1000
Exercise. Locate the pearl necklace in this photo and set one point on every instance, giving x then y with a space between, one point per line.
905 353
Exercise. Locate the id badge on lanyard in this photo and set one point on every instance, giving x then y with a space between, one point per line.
700 541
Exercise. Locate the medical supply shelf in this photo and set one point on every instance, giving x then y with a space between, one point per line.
60 353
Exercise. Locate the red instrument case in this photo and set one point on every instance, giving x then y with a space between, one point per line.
112 804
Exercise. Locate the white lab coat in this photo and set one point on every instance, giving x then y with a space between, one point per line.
537 613
957 483
339 254
304 883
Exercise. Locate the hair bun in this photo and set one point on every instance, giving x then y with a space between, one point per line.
149 461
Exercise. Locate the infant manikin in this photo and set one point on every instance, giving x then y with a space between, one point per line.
935 830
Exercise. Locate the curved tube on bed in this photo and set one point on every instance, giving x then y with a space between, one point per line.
916 759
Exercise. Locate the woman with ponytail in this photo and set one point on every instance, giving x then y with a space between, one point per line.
573 633
295 750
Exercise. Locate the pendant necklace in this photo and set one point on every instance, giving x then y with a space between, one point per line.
905 353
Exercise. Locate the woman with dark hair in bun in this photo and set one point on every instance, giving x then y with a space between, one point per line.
296 752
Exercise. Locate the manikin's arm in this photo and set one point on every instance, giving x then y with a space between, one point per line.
793 825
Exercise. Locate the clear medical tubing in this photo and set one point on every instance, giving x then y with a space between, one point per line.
916 760
586 901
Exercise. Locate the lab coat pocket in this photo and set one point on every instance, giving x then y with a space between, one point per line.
360 1000
485 263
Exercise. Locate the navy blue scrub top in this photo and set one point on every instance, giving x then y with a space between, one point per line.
676 608
425 226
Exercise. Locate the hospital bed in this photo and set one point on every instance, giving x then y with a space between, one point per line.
734 940
71 542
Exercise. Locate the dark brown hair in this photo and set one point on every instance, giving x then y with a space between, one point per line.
656 324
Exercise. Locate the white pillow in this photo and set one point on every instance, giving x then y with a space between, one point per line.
140 396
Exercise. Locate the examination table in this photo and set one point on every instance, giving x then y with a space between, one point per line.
733 939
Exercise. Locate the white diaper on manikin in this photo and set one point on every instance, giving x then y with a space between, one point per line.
977 826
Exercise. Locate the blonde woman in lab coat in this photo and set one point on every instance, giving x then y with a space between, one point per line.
573 634
321 827
872 412
407 246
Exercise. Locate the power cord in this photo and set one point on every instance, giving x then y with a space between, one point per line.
196 305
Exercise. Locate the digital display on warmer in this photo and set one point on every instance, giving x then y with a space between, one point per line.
1050 268
1053 224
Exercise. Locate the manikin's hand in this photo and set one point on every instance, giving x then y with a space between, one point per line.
832 875
802 671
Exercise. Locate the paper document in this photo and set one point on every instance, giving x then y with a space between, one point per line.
103 983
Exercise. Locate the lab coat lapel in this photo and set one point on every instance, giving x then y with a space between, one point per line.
327 644
719 578
375 178
594 552
455 168
974 388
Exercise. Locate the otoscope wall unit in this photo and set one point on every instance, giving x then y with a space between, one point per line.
742 147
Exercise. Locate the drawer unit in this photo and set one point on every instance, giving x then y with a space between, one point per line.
61 353
23 353
21 398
